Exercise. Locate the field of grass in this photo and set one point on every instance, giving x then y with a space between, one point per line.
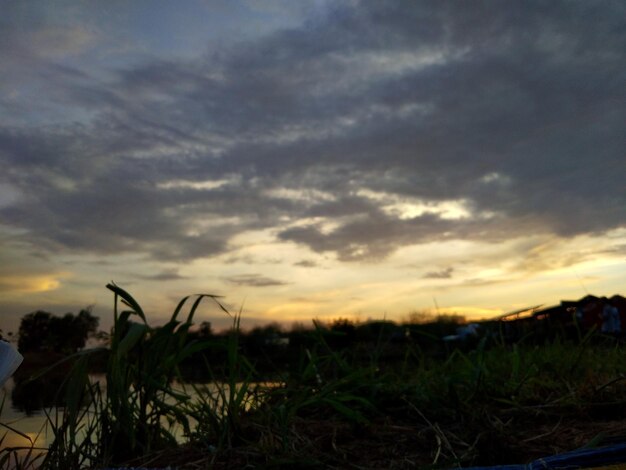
376 404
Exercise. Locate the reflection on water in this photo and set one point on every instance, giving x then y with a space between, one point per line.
28 439
28 446
31 396
24 431
23 411
25 402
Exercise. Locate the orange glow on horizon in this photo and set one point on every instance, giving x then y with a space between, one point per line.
29 284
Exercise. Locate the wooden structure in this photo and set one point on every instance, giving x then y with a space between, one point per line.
571 318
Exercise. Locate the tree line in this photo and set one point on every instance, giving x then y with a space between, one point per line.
44 332
272 344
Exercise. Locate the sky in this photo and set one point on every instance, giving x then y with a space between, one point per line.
319 159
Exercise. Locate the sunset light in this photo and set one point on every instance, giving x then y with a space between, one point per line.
310 160
312 234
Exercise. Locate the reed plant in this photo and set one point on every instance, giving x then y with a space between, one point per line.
376 404
136 410
21 456
218 408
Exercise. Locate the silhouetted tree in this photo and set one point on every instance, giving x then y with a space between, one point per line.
41 331
344 333
205 330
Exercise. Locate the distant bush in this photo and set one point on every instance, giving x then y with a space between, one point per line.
44 332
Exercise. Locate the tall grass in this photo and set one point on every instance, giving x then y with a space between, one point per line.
137 410
20 456
376 404
218 409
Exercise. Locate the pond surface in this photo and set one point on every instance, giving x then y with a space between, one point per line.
26 409
31 424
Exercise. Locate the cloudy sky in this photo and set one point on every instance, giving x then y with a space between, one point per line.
311 159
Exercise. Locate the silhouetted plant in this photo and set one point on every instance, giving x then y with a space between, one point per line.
44 332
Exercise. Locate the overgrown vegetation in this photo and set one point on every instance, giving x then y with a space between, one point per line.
343 395
43 332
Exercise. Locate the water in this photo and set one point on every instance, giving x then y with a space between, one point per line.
24 407
31 424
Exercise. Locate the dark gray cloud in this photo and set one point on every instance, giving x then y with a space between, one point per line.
515 109
254 280
443 274
368 237
165 275
618 249
306 263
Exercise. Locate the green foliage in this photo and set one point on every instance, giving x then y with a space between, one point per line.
138 410
218 409
344 387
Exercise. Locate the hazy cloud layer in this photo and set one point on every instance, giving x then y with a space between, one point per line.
165 275
353 130
306 263
443 274
254 280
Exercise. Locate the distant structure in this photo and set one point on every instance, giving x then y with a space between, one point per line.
570 317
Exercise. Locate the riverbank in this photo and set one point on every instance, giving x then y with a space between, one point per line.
484 407
392 403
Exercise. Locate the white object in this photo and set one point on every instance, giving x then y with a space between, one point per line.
10 360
